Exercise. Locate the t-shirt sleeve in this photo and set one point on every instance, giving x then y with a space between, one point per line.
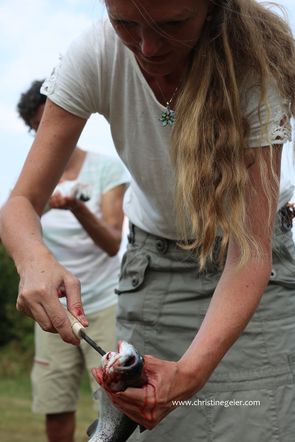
75 83
114 173
269 124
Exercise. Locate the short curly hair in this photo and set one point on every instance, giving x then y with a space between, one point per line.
30 101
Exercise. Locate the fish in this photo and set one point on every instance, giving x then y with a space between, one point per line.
120 370
74 189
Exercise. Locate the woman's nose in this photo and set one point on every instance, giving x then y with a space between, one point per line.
150 42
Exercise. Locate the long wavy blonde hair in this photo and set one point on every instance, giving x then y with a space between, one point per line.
210 135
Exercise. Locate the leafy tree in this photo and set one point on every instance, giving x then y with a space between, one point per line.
13 325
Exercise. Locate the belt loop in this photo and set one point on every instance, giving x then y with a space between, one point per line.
162 245
286 214
131 235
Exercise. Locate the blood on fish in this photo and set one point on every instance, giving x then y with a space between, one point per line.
117 372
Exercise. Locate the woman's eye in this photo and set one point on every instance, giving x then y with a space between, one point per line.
174 23
124 23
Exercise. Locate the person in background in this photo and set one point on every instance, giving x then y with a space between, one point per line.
199 95
82 228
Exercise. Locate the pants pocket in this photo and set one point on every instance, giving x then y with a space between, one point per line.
133 269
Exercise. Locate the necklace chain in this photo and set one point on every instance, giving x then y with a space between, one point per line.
168 115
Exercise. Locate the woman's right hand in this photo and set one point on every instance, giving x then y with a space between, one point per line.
42 281
41 277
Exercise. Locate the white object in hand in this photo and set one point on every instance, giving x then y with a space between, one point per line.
74 189
77 327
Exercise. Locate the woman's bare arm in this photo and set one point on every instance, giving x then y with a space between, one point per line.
239 290
41 277
235 300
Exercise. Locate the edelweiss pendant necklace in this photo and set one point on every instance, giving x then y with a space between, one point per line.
168 115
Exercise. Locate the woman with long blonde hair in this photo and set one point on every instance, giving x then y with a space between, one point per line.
199 95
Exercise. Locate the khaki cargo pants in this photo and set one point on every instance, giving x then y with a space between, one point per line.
162 302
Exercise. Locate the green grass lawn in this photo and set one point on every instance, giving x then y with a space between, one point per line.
19 424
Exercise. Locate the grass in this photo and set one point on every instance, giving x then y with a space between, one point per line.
17 422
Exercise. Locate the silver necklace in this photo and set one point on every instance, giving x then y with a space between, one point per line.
168 115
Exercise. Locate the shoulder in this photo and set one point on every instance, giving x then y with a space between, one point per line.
100 158
107 171
251 93
96 41
82 80
267 112
100 30
104 163
100 37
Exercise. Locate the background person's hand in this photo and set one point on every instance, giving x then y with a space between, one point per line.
58 201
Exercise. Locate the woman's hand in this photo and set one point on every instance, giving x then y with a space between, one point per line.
42 281
148 405
41 277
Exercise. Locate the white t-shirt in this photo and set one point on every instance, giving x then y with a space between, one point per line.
73 247
287 182
99 74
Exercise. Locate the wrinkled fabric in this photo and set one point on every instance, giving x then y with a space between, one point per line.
162 302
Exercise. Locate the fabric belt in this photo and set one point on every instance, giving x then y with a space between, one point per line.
284 220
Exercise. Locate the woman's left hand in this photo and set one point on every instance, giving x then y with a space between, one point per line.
151 403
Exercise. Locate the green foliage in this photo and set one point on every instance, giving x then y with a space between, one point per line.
8 294
14 326
19 424
16 356
14 361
